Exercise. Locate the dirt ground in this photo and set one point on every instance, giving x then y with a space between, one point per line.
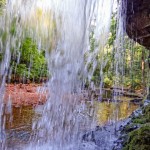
25 94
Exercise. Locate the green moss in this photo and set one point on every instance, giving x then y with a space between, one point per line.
141 120
129 128
139 139
145 117
146 110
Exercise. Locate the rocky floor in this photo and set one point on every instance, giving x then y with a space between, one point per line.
120 135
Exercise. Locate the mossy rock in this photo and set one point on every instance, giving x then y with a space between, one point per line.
141 120
146 110
144 118
130 127
139 139
138 131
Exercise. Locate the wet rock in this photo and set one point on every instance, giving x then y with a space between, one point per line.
118 145
89 136
88 146
103 137
146 102
129 128
136 113
138 21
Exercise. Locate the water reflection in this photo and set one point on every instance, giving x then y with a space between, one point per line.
20 116
18 125
108 112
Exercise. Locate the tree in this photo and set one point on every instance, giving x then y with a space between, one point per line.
29 62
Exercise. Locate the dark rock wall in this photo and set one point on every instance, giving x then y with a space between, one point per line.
138 21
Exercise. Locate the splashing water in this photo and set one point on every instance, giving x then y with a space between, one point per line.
62 28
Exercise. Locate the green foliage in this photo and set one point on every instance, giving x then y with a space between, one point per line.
32 63
130 72
4 37
21 70
2 4
13 27
134 77
112 36
108 58
127 82
92 42
108 82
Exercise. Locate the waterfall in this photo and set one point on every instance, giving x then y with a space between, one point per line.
62 28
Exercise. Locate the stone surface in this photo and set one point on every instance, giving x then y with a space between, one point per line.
138 21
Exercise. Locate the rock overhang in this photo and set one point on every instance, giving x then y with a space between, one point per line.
138 21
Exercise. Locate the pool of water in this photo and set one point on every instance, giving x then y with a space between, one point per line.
19 120
109 112
18 125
